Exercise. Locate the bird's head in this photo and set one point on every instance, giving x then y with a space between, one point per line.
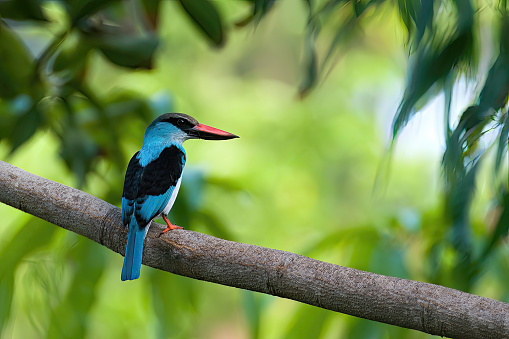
178 127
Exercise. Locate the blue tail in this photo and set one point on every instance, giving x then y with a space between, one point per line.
133 252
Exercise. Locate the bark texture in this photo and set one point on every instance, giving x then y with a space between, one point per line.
421 306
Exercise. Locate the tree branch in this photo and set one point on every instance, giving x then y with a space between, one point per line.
425 307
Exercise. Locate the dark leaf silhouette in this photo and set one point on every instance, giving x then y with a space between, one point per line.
205 15
81 9
260 9
22 10
16 68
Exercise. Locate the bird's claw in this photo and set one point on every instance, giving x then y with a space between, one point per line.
170 226
173 227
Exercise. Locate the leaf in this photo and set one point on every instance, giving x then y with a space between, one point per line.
433 64
70 63
205 15
363 328
502 144
215 226
128 51
78 150
170 292
252 306
424 20
404 12
311 69
361 5
260 9
448 90
458 202
151 10
500 232
21 10
16 68
459 198
32 236
25 127
494 93
308 322
71 316
80 9
430 66
6 294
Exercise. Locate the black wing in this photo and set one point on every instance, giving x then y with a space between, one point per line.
155 179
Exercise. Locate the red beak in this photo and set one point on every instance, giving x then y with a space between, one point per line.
202 131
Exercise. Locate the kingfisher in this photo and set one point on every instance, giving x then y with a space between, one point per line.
153 177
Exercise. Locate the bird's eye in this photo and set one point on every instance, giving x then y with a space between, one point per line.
181 122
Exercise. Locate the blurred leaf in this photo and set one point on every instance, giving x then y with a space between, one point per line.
35 234
308 322
458 202
31 237
252 305
389 251
21 10
362 328
432 64
461 168
494 93
25 127
430 67
205 15
78 150
500 232
18 83
459 195
465 15
344 33
71 58
151 10
424 20
127 51
6 294
360 6
503 140
80 9
260 9
448 90
408 14
16 68
69 319
311 68
215 225
173 298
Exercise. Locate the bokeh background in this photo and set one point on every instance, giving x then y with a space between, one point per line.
314 172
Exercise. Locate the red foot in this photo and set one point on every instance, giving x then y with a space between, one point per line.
170 225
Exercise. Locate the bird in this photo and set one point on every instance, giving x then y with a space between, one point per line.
153 177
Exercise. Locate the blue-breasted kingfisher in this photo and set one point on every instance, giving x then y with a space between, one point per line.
153 177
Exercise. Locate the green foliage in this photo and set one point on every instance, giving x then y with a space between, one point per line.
205 15
439 57
299 179
56 94
30 238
